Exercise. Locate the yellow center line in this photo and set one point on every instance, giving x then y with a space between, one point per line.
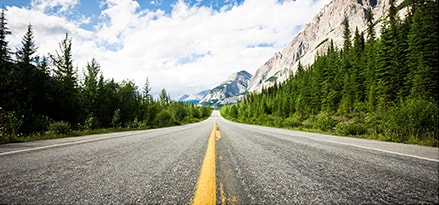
205 192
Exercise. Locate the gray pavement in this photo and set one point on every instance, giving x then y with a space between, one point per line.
158 166
255 165
260 165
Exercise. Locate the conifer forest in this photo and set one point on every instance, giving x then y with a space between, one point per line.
382 87
46 95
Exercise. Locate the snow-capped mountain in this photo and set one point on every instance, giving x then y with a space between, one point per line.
194 98
230 91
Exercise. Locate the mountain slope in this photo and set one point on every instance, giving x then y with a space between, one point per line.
194 99
230 91
315 37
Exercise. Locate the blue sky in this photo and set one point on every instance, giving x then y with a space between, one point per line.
92 8
184 46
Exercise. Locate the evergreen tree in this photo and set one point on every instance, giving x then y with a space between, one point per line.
90 93
66 96
380 72
147 98
164 98
348 90
371 34
388 59
129 99
6 68
24 55
358 66
63 63
370 64
423 51
29 82
4 31
346 36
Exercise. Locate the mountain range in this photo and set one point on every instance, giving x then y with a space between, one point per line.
314 38
230 91
194 98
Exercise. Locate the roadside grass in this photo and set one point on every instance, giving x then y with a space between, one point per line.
77 133
315 126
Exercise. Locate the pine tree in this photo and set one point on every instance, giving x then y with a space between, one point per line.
4 31
332 88
29 84
67 103
346 69
7 84
147 98
90 93
24 55
63 62
358 67
371 34
129 99
388 59
347 44
370 67
164 98
423 51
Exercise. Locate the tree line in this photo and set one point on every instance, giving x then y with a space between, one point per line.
40 94
384 88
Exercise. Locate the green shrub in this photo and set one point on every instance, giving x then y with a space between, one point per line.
412 119
206 111
91 122
325 122
59 127
115 121
309 123
164 118
292 122
351 129
10 125
136 124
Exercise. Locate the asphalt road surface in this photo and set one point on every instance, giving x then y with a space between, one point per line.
254 165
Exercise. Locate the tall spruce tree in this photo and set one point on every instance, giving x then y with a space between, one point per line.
67 101
4 31
24 55
346 69
388 59
28 82
6 69
90 93
423 51
370 69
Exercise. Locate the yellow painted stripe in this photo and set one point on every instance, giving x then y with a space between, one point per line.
205 192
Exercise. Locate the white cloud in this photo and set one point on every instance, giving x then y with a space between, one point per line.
156 2
188 50
62 6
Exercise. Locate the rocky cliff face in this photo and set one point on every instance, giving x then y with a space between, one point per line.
230 91
315 38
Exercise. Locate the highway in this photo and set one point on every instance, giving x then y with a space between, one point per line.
254 165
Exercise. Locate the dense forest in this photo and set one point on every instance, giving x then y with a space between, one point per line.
45 94
384 88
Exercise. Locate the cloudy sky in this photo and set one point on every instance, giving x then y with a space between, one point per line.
184 46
